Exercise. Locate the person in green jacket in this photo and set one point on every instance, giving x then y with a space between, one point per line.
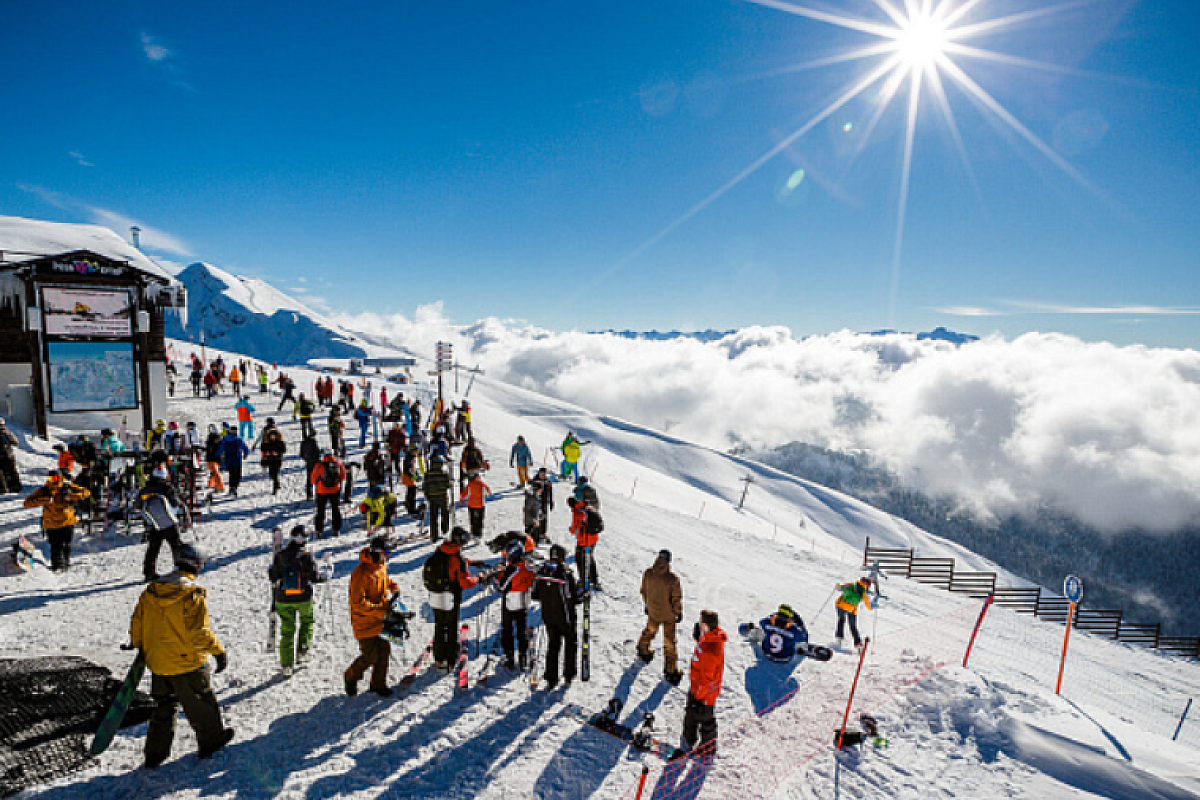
572 449
847 607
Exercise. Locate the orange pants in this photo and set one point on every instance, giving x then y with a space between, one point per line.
214 477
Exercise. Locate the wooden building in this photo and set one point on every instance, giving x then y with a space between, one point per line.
81 328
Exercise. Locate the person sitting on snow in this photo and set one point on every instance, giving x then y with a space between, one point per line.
778 635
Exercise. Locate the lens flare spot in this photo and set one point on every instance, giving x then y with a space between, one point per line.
794 180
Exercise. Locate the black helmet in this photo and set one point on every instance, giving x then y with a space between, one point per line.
515 551
189 558
459 535
299 534
270 422
558 553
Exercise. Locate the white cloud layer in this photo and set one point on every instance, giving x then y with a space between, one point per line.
1109 433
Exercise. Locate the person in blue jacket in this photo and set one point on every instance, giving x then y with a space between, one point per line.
363 415
523 459
245 417
233 450
778 634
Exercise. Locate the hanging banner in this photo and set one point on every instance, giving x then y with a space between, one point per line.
91 376
87 312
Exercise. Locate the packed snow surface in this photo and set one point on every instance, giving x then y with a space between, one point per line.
993 730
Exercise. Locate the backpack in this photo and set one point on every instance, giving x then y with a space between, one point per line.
329 476
293 581
594 525
436 572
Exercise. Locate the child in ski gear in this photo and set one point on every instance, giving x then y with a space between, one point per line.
170 626
57 498
515 585
233 450
572 449
293 573
212 457
328 476
523 459
585 527
543 489
370 594
273 449
378 506
847 607
704 685
446 575
158 502
662 597
779 635
555 589
436 488
475 493
586 493
245 417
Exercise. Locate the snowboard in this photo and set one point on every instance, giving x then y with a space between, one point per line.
22 554
120 704
395 623
641 738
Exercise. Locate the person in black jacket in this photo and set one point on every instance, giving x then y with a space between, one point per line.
310 453
436 487
212 457
161 521
543 489
292 574
556 590
273 448
10 478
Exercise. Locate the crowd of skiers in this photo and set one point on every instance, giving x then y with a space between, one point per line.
171 623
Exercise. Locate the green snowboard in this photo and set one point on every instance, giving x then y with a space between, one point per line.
120 704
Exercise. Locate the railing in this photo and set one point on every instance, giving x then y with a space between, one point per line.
1109 623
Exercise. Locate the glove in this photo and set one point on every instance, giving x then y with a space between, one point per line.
222 660
678 618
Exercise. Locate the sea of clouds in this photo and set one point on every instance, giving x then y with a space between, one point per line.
1111 434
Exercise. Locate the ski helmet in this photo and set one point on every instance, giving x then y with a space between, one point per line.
299 534
558 553
515 552
189 558
459 535
787 612
379 544
865 581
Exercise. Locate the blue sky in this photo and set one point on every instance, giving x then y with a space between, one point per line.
563 163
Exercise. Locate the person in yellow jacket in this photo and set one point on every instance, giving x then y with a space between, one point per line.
370 593
170 626
847 607
572 449
57 499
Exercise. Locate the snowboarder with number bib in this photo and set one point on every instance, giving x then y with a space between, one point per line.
370 597
780 635
847 607
292 575
446 575
662 598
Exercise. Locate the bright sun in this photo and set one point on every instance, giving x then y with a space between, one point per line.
921 41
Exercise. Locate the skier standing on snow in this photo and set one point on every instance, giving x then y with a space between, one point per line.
531 511
212 457
414 418
556 590
57 499
585 527
293 573
375 466
233 450
662 598
472 463
363 414
704 685
304 409
446 575
408 476
273 449
515 584
328 476
337 431
397 442
436 488
586 493
170 626
522 458
572 449
476 493
245 418
158 502
310 454
543 488
847 607
370 593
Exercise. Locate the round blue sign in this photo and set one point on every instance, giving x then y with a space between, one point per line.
1073 589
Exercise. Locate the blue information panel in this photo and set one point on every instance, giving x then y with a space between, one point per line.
1073 589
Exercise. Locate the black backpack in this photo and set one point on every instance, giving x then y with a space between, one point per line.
595 525
329 476
436 572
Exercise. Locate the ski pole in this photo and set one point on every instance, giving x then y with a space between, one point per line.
817 616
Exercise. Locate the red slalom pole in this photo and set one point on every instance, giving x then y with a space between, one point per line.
978 624
862 656
1066 640
642 782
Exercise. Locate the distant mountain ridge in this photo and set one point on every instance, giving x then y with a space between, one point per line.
250 316
710 335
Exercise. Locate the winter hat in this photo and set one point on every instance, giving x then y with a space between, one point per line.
189 558
664 555
299 534
379 544
459 535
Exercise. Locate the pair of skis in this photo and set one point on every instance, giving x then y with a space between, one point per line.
641 738
585 663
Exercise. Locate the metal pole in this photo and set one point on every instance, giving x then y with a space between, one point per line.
1179 727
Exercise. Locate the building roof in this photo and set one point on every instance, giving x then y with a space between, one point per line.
30 239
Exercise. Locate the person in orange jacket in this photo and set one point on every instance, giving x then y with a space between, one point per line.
370 593
476 492
704 685
66 461
446 574
328 476
515 585
584 529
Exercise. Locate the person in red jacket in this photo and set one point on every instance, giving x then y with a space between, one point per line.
585 542
370 594
515 584
476 492
446 576
328 476
704 684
